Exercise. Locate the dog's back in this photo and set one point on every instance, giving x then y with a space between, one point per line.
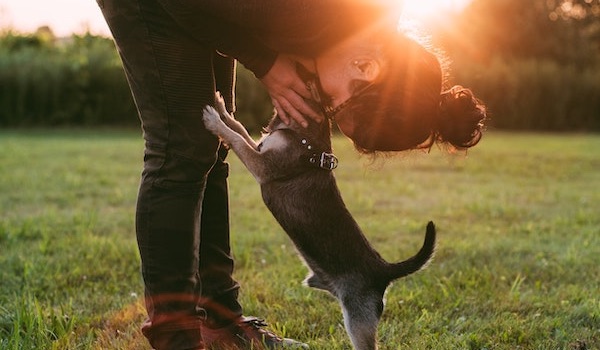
306 202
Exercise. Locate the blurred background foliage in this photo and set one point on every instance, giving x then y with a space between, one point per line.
535 63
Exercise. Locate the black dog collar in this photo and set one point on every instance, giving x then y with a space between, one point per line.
323 160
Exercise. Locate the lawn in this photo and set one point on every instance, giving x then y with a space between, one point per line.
517 265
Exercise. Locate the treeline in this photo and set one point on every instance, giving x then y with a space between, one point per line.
79 81
535 63
75 81
536 94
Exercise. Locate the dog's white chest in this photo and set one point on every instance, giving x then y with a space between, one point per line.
274 141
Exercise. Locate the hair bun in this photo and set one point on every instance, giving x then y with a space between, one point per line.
461 118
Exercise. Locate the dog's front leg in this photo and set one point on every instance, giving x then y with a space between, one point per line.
231 122
245 150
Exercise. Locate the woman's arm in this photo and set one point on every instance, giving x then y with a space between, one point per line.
216 23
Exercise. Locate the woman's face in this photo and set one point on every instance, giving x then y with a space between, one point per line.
335 80
336 85
345 68
341 79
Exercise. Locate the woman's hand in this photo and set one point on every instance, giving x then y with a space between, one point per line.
288 91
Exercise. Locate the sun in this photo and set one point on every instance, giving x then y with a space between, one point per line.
430 10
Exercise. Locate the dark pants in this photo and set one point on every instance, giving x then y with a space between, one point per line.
182 219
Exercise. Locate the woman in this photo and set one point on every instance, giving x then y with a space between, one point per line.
384 91
177 53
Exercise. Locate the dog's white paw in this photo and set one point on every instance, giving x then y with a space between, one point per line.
226 117
212 119
220 103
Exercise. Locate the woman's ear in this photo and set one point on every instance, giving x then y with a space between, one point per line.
368 69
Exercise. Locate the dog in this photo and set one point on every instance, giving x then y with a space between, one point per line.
293 166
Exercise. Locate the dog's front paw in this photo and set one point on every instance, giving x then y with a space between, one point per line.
220 103
226 117
212 119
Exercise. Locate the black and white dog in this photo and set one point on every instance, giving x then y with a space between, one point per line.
293 166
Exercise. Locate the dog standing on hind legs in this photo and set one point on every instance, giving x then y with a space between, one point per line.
293 166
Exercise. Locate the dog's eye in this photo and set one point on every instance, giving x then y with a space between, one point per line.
259 146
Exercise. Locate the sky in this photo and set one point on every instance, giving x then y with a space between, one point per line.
63 16
66 17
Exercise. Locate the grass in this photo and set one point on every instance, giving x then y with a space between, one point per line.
517 264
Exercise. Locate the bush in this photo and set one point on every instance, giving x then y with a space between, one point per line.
536 94
79 81
253 104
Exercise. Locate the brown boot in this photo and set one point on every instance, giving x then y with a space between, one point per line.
247 333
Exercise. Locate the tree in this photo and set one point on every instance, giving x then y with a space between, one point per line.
565 31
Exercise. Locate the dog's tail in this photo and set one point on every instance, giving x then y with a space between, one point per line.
419 260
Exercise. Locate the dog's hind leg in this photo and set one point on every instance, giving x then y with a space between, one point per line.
361 317
314 281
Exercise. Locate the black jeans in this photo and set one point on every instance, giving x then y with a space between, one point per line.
182 219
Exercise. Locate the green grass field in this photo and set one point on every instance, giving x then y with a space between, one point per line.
517 265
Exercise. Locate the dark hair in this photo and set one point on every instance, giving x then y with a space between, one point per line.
407 108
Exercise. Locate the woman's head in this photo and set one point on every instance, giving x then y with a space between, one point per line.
404 107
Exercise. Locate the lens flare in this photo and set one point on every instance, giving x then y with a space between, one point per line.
430 10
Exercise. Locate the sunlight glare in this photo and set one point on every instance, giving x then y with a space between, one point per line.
430 10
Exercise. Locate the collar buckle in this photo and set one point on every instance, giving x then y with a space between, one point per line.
325 160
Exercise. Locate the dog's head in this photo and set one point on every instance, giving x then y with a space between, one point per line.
317 134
